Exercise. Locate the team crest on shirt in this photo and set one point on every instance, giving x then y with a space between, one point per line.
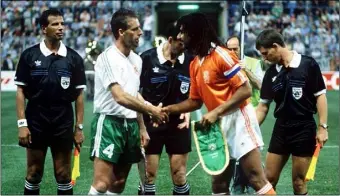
65 82
297 92
184 87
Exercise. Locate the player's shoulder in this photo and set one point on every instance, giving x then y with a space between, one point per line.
308 61
149 53
73 53
32 50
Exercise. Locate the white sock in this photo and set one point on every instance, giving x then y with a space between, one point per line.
264 189
94 191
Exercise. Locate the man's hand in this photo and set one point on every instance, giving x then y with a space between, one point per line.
144 137
24 136
186 120
158 116
78 138
322 136
242 64
209 118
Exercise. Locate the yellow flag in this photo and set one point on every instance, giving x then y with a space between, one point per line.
75 170
311 170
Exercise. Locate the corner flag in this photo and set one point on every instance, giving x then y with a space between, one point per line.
76 169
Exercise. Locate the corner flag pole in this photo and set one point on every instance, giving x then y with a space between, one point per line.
243 18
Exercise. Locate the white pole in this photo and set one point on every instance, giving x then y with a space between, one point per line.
243 18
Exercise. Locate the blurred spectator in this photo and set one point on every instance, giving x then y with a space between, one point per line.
8 63
148 23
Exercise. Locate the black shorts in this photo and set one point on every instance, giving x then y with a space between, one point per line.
176 141
50 126
296 137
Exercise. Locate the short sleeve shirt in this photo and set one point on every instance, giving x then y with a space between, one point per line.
294 89
216 77
50 78
112 67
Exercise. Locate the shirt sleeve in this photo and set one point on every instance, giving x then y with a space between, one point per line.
79 74
316 79
193 85
22 75
108 72
228 63
267 94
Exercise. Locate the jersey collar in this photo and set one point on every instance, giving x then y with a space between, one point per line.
294 63
46 52
161 57
296 60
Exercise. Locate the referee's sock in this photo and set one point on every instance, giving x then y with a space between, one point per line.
181 189
301 194
31 187
150 189
65 188
266 190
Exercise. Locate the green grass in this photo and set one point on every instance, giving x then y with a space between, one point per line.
13 160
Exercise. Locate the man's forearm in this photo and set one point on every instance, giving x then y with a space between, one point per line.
79 107
20 103
140 121
321 105
261 112
254 81
134 103
241 94
185 106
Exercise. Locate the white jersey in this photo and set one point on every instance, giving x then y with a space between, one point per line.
113 66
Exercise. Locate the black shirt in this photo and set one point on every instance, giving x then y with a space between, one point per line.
294 89
161 81
50 78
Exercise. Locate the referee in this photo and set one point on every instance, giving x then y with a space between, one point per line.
165 79
50 76
296 85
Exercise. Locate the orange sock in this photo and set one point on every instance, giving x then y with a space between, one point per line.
271 192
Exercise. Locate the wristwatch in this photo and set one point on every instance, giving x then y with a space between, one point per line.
324 125
80 126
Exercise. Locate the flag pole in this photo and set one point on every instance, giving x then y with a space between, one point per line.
243 18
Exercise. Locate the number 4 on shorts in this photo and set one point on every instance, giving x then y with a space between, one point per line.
109 150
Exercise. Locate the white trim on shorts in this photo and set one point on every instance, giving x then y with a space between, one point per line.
98 136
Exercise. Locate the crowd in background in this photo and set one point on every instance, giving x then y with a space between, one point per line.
309 27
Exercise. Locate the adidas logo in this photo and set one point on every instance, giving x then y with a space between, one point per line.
37 63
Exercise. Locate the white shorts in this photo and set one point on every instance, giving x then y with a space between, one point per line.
242 131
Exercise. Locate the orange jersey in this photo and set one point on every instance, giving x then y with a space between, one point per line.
216 77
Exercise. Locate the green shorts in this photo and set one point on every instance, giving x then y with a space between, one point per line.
114 139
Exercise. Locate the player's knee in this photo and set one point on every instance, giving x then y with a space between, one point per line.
272 178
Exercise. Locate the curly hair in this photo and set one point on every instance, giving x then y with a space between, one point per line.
201 33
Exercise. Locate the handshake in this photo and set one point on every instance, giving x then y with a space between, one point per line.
158 114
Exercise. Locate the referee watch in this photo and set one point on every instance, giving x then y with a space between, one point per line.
80 126
324 125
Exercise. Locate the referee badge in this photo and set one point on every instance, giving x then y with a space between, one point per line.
184 87
297 92
65 82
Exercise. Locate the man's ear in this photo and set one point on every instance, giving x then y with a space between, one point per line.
44 29
121 32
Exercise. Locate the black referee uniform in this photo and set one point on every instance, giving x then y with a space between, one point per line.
294 90
161 81
51 82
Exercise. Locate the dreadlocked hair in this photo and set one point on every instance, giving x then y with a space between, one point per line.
201 33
